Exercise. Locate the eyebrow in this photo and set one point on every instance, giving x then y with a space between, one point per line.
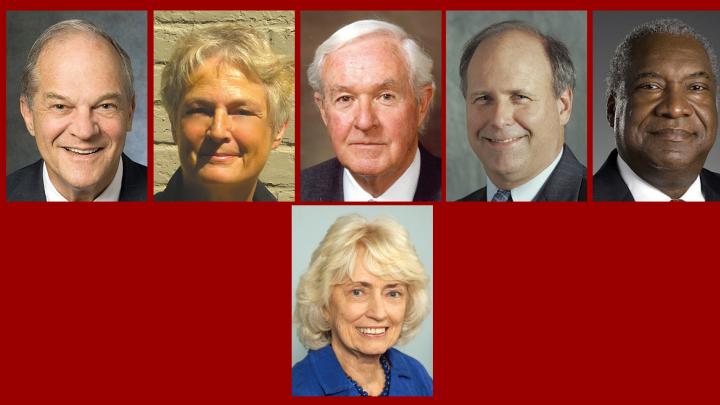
700 73
389 83
239 102
107 96
368 285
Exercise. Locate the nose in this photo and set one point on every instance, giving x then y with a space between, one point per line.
502 115
221 125
366 118
674 103
84 125
376 308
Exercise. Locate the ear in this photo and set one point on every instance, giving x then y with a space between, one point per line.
565 105
279 136
611 110
426 95
319 103
131 111
27 115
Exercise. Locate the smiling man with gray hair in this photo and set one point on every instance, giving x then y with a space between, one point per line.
77 101
662 104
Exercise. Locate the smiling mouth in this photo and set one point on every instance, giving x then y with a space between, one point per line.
504 141
82 151
372 331
672 134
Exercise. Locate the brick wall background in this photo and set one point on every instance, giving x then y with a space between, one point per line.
279 28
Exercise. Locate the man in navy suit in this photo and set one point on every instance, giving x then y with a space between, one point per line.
77 100
373 86
662 105
518 87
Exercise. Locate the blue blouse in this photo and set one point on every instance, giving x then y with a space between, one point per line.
320 374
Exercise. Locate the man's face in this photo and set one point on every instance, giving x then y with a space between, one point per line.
515 121
223 133
668 118
79 114
370 109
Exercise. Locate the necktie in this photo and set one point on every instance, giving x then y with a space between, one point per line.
502 196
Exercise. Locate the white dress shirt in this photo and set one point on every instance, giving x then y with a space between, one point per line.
402 190
527 191
641 190
111 193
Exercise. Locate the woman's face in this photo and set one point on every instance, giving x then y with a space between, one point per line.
366 313
223 130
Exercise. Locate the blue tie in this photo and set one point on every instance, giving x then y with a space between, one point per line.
502 196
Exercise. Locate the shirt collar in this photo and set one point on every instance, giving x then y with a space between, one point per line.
641 190
402 190
111 192
527 191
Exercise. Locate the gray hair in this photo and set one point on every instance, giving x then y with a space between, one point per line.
621 59
419 62
29 80
563 71
240 47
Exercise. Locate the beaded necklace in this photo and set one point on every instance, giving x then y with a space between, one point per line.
386 389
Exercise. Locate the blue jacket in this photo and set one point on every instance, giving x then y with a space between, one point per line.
320 374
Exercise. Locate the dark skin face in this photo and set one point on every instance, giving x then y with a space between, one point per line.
665 125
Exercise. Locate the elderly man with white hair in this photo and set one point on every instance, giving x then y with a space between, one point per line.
373 86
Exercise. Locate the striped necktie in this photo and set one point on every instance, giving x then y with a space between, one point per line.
502 196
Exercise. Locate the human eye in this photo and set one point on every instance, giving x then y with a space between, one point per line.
698 87
648 86
387 97
394 293
520 98
481 99
107 107
58 107
356 292
196 110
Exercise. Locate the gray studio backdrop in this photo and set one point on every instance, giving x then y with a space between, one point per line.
309 224
464 172
609 29
424 26
128 28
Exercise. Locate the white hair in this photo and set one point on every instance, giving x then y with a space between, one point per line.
419 62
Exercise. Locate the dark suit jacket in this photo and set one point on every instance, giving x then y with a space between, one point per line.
567 182
174 191
608 185
323 182
26 184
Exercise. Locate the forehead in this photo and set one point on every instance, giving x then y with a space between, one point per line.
513 58
82 56
365 61
666 53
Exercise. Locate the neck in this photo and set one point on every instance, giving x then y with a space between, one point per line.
220 192
77 194
673 183
364 369
377 185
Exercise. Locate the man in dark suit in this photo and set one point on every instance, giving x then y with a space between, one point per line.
373 86
662 105
518 87
77 100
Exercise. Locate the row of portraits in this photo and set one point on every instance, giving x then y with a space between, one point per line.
370 105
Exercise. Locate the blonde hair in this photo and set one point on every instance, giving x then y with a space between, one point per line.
237 46
386 251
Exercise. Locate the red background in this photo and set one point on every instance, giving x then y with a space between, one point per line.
190 303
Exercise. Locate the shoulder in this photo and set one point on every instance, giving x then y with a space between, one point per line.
305 382
608 185
26 184
429 186
710 183
415 379
477 195
567 182
322 182
134 182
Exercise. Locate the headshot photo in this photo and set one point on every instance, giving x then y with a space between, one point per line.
516 106
76 106
226 86
362 293
656 106
371 106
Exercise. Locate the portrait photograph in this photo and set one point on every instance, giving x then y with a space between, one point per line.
224 106
362 300
370 106
516 125
76 106
655 106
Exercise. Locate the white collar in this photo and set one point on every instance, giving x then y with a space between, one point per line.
641 190
402 190
527 191
111 193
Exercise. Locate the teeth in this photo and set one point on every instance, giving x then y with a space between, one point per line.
372 331
503 140
83 151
